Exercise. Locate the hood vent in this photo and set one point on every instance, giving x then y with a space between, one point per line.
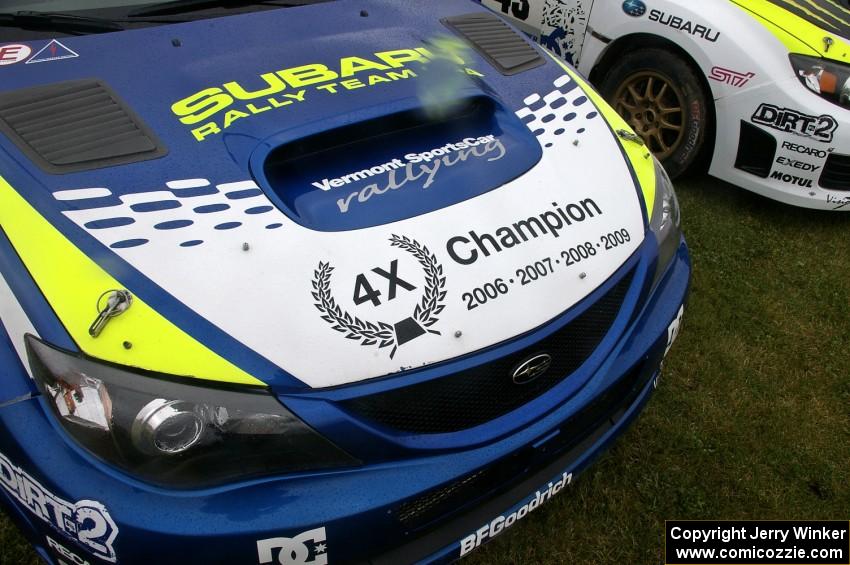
76 126
504 48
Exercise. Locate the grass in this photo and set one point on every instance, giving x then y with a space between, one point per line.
14 549
752 420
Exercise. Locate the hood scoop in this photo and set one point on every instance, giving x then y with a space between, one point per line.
504 48
76 126
397 166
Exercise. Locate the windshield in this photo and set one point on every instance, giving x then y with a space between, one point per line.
45 19
66 5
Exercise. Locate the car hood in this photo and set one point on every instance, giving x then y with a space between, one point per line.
327 195
809 21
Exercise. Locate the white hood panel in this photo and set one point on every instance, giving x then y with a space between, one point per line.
288 292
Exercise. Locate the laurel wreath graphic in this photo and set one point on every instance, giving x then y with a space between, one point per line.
383 334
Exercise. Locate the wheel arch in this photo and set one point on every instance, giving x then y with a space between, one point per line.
632 42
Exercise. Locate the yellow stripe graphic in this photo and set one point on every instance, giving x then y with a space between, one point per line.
794 31
72 282
644 167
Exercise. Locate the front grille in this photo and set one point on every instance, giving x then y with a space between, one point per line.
586 425
836 172
426 508
477 395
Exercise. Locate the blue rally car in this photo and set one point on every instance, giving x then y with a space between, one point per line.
334 282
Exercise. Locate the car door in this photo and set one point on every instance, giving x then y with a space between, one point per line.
558 25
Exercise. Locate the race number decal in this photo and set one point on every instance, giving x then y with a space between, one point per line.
518 8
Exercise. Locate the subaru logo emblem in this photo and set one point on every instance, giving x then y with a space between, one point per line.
531 369
634 8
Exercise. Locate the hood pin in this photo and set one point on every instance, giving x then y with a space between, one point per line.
629 136
117 302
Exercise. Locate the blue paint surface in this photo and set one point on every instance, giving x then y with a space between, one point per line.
358 508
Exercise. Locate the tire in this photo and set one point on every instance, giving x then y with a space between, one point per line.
666 105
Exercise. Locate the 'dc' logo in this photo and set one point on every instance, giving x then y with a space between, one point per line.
635 8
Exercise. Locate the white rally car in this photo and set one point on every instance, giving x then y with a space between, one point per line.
760 89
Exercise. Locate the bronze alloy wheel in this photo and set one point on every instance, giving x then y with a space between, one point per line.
655 108
663 98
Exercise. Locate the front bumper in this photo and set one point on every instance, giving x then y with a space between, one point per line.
764 145
49 484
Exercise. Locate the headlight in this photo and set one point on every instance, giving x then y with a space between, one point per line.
172 433
829 79
666 220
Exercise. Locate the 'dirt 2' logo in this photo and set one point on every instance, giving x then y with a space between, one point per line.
822 128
